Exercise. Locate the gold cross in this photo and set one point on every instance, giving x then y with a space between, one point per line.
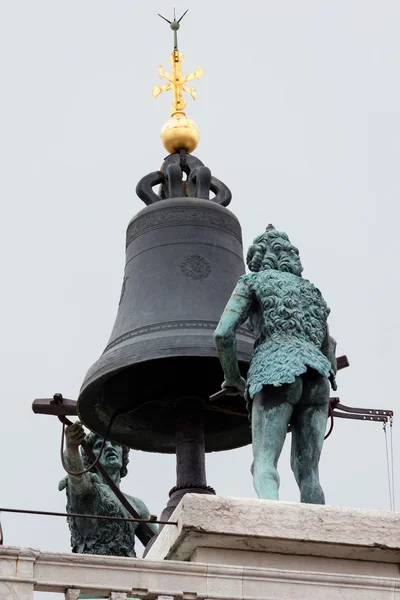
177 82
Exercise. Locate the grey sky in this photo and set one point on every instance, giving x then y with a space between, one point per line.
299 114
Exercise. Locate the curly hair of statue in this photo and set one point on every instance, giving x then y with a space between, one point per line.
272 249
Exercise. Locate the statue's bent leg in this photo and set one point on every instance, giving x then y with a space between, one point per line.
308 430
271 413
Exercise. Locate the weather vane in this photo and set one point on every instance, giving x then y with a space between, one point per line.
175 25
179 133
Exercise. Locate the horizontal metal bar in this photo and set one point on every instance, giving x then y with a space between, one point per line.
78 515
365 411
359 417
342 362
48 406
227 411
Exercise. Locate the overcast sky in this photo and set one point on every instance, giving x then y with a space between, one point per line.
299 114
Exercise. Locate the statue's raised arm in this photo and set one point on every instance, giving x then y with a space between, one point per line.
74 436
235 314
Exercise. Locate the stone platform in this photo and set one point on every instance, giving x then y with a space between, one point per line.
230 549
288 550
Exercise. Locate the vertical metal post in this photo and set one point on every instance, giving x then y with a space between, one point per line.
190 450
190 456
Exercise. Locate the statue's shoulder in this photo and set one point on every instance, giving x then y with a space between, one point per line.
63 484
244 280
249 280
261 282
138 505
308 285
312 296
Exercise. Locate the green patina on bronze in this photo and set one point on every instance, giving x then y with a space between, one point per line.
294 357
89 494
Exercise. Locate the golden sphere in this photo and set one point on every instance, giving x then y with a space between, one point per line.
180 133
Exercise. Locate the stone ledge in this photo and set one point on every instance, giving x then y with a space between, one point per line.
278 527
150 580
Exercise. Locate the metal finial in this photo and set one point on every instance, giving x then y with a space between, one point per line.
179 133
269 227
175 25
177 80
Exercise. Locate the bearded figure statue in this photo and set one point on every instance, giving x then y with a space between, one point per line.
293 362
89 494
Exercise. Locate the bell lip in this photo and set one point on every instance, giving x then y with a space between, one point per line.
240 439
243 340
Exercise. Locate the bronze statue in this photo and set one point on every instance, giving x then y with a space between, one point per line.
293 361
89 494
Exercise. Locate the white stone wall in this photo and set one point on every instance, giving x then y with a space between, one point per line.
120 579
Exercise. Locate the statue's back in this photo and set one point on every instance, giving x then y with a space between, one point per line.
289 320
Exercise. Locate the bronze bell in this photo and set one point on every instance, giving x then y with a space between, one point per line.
183 258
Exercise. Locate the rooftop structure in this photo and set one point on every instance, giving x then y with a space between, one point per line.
157 387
